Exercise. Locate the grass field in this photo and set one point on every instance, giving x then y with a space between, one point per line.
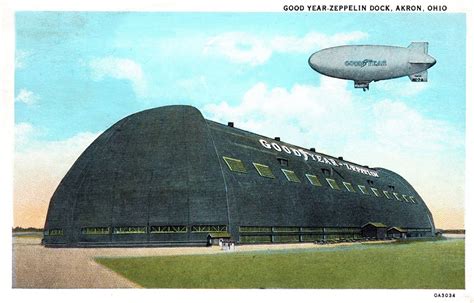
28 234
427 264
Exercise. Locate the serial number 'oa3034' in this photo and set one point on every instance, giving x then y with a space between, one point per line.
444 295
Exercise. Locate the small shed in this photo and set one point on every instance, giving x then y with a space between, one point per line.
375 230
396 232
215 238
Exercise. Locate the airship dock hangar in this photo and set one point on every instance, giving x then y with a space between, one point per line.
169 177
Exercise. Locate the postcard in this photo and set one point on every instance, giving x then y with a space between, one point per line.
208 151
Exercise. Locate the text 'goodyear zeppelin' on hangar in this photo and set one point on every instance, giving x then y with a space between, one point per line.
169 177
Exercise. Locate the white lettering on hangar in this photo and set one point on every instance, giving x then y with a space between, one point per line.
316 157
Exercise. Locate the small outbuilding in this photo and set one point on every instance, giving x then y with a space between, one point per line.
217 237
396 232
374 230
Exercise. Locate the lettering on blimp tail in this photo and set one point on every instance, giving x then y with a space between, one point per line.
299 152
366 62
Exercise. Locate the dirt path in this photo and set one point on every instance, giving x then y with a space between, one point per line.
35 266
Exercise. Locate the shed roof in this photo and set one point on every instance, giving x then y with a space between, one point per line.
223 234
399 229
375 224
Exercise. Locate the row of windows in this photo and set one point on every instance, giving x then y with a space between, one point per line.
237 165
291 229
123 230
418 229
168 229
296 238
126 230
54 232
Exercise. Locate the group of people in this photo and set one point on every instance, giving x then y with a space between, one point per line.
227 245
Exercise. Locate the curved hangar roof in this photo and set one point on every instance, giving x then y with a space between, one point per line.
167 176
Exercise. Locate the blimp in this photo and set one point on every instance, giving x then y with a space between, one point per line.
367 63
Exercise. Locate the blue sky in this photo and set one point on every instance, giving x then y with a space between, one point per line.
169 48
78 73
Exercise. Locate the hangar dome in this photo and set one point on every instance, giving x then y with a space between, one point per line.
167 177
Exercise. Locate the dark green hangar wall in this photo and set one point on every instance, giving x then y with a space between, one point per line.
167 176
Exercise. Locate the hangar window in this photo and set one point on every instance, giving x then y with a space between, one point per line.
284 229
333 183
349 187
387 194
124 230
412 199
255 239
235 165
290 175
405 198
286 238
312 229
254 229
397 196
208 228
95 230
363 189
342 229
312 238
313 180
375 191
168 229
54 232
263 170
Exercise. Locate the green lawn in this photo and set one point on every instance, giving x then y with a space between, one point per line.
28 235
429 264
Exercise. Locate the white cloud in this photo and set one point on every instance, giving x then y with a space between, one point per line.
398 125
39 167
122 69
381 133
21 58
305 114
23 132
403 87
27 97
242 47
329 115
239 47
313 41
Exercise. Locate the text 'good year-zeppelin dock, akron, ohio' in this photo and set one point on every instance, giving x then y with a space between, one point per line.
169 177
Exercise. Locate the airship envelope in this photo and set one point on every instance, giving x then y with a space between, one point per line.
366 63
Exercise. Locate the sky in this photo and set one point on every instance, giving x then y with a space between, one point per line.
78 73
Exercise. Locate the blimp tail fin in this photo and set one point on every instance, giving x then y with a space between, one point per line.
421 47
419 77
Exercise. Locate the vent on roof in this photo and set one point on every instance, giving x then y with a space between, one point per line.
277 138
230 124
312 149
326 172
283 161
340 158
